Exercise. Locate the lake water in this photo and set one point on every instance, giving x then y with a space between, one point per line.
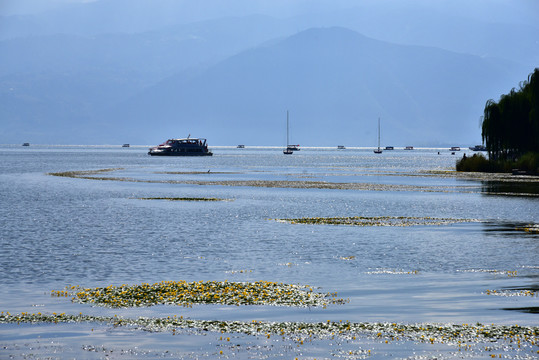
59 231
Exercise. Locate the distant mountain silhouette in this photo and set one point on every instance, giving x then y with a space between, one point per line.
232 80
335 82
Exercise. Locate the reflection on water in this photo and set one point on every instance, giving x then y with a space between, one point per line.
528 310
510 188
511 229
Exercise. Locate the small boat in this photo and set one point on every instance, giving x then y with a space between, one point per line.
341 147
478 148
289 148
409 148
454 148
389 148
240 147
26 144
293 147
125 145
182 147
378 151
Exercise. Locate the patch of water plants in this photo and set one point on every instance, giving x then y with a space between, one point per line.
377 221
513 292
83 173
182 199
524 339
532 228
201 292
92 175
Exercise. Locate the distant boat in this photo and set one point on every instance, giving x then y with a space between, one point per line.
478 148
389 148
409 148
378 151
125 145
341 147
26 144
454 148
289 148
181 147
240 147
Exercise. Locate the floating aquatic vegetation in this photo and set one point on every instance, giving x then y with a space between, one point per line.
238 271
83 173
532 228
463 336
505 177
510 273
377 221
208 292
90 175
513 292
183 199
393 272
289 264
196 172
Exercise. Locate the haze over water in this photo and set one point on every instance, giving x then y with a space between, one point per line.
59 231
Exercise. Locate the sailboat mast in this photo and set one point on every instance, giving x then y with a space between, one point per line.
378 133
378 151
287 140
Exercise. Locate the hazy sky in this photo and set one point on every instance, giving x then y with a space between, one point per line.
490 10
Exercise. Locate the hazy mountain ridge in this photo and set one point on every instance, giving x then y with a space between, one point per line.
484 28
336 83
218 70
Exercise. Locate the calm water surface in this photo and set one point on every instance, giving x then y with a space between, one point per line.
56 231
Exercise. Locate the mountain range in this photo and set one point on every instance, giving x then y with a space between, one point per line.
231 79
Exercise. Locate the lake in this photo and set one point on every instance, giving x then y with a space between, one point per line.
398 236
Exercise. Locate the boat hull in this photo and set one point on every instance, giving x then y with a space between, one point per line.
179 153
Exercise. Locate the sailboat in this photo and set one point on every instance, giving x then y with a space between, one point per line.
378 151
288 150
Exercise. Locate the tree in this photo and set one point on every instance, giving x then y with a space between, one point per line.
510 127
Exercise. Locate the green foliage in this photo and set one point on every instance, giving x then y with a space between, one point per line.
510 126
477 162
528 163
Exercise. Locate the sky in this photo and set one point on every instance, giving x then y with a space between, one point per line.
495 10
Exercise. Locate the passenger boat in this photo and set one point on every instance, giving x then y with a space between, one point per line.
26 144
240 147
454 148
340 147
409 148
182 147
389 148
125 145
478 148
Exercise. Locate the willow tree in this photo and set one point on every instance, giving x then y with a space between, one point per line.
533 95
510 126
